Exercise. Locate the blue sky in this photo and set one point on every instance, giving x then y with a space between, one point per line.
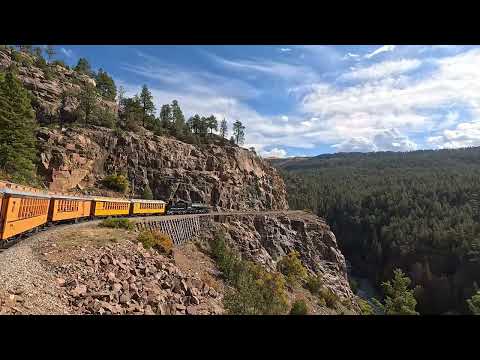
308 100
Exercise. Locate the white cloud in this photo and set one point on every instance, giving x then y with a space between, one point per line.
385 140
349 56
384 48
271 68
274 153
66 52
383 69
465 134
412 106
285 49
284 118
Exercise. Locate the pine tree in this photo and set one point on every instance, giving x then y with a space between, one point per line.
105 85
83 67
238 132
147 193
223 129
146 100
178 118
17 127
399 300
212 123
165 116
88 98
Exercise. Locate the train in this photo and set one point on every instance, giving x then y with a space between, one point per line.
24 209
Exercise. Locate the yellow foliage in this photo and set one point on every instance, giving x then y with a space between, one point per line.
158 240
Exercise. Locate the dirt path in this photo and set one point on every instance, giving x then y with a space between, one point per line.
26 285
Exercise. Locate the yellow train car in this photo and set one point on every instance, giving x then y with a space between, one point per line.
64 207
110 207
148 207
22 211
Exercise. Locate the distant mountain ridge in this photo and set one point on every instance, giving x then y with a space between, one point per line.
443 157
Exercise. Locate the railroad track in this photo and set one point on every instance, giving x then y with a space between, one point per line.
4 245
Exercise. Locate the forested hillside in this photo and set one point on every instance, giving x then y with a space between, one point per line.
416 211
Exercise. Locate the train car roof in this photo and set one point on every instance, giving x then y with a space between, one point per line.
24 193
148 201
109 199
72 197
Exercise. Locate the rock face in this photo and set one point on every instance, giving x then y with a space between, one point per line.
265 239
48 90
127 279
226 177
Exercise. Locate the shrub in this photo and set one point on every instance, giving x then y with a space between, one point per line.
329 296
365 307
103 117
292 267
157 240
117 223
116 182
299 307
255 291
314 284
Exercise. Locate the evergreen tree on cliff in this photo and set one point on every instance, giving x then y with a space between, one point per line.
165 116
83 67
223 129
178 118
17 126
146 100
88 98
399 299
105 85
238 132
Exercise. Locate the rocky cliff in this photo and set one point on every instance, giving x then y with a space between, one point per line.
265 239
226 177
51 87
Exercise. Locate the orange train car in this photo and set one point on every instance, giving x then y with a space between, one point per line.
63 207
147 207
21 211
110 207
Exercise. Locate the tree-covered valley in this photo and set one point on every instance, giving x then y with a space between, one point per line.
414 211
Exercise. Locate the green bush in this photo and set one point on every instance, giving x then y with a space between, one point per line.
365 307
117 223
255 291
291 266
331 299
117 183
103 117
314 284
299 307
157 240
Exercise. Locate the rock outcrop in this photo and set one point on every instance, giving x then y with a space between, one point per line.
265 239
50 91
226 177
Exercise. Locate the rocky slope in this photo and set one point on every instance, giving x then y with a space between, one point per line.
225 177
265 239
51 91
